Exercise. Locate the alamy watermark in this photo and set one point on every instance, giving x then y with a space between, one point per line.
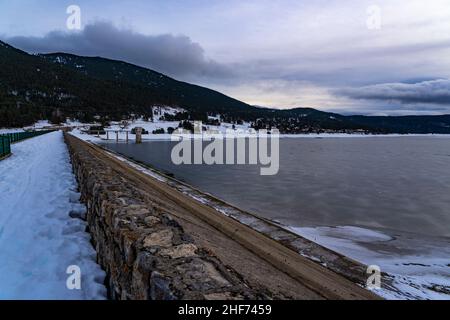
73 281
73 22
233 147
374 279
373 21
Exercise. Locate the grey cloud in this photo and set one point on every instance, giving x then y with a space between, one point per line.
327 67
435 92
355 64
173 55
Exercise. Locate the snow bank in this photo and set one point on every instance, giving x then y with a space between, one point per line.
13 130
38 238
41 124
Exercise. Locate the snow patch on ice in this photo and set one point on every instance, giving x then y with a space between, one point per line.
422 274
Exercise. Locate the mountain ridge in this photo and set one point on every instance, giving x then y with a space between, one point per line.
183 93
58 85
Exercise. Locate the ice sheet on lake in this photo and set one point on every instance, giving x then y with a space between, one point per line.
419 273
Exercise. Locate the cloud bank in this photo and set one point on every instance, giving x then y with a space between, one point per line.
174 55
425 92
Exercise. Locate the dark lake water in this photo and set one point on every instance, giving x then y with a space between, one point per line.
394 183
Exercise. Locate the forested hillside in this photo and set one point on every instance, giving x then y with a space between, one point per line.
60 85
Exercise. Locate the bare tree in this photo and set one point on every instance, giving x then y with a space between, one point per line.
123 124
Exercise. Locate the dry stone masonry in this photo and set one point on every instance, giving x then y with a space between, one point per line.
145 252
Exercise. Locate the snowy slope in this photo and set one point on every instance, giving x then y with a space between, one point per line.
38 238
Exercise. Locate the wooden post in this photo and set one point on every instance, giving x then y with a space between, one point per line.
127 136
117 136
138 135
107 135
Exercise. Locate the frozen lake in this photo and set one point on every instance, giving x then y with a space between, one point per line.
398 187
398 183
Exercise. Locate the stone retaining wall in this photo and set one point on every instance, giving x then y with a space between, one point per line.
145 252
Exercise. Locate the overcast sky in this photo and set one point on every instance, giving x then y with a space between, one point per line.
363 57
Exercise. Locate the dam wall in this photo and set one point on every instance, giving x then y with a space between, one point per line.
145 252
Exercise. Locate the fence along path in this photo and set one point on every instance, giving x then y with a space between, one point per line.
9 138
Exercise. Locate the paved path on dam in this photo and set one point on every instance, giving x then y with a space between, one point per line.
263 263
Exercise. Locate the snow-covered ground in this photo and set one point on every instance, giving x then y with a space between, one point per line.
41 124
421 272
38 238
159 123
220 130
148 126
13 130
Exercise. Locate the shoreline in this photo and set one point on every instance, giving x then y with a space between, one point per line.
168 137
221 131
